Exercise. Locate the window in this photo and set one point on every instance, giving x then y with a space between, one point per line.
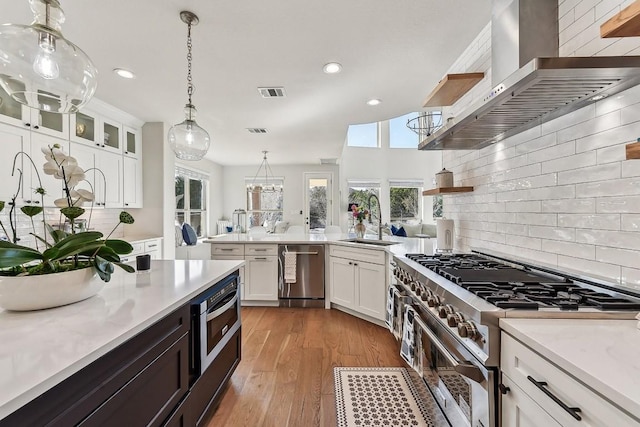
264 201
437 206
191 199
359 193
404 199
363 135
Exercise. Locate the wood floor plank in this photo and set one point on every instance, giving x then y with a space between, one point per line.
285 378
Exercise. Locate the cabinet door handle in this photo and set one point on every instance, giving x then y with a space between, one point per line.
152 246
260 250
226 249
36 127
37 202
503 389
542 386
126 204
260 259
355 263
27 124
350 263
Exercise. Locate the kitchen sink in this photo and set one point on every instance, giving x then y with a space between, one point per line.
370 242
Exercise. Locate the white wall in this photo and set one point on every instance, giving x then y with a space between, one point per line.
562 193
235 196
386 163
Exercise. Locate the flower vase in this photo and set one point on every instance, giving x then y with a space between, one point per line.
360 229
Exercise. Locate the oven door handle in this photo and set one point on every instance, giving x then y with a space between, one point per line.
465 369
219 311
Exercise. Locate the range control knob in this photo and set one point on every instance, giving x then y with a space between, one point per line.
433 301
454 319
426 294
467 329
445 310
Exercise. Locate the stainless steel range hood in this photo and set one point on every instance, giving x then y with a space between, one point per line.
540 90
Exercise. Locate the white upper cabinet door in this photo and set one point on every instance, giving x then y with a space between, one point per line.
132 142
132 182
84 128
111 138
52 124
108 176
14 140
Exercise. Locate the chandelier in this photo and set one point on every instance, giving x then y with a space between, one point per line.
425 123
188 140
40 68
266 185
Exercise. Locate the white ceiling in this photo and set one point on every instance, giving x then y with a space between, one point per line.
393 50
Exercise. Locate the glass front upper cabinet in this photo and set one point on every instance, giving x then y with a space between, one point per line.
14 113
84 128
132 142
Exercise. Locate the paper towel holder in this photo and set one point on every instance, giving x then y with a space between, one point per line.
444 237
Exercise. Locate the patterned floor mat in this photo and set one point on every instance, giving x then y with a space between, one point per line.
383 397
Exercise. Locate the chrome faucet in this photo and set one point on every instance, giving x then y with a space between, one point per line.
379 214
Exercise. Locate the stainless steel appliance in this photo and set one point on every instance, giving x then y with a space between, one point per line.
215 318
301 275
458 301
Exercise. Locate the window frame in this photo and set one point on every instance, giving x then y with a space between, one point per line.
277 183
377 137
189 175
416 184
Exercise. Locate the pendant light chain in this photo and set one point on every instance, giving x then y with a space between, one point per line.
189 58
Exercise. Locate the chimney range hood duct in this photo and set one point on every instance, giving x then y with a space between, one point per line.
542 89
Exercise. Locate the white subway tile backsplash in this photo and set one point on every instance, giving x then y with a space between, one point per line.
561 193
590 268
612 239
629 204
569 205
545 219
590 174
568 163
577 250
630 222
553 233
597 221
611 187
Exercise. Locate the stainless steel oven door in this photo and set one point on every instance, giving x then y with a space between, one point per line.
462 386
218 323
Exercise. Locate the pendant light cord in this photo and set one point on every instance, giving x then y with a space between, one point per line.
189 58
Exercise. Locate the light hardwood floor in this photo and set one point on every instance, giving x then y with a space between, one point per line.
285 377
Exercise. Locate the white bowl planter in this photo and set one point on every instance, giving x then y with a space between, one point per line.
48 290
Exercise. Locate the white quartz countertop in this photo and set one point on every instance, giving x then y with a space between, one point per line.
139 237
39 349
603 354
402 245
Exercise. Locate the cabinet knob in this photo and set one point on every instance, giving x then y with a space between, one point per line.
36 127
126 204
27 201
27 125
97 144
37 202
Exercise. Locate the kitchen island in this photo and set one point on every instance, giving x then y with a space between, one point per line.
41 349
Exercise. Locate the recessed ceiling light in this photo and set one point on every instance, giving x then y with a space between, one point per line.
125 74
373 102
332 68
598 97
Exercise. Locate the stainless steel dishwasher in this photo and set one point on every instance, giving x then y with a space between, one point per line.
301 275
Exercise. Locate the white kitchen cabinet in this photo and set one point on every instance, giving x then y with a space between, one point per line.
52 124
518 409
261 278
95 130
151 247
14 140
53 186
132 142
132 182
343 284
358 280
231 252
540 379
103 172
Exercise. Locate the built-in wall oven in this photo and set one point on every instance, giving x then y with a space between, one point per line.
215 318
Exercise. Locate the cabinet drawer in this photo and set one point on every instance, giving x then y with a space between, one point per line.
152 245
261 250
523 366
223 249
138 248
359 254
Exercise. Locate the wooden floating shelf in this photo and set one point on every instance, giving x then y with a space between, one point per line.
451 88
626 23
447 190
633 150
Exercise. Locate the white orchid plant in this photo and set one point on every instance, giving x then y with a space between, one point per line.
68 251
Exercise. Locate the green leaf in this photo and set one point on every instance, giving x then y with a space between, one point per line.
104 265
79 238
108 254
72 212
126 218
76 249
31 211
41 239
125 267
12 255
119 246
51 253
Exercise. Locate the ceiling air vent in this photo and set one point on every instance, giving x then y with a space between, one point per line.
272 92
257 130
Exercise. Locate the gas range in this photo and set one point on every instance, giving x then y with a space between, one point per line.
469 293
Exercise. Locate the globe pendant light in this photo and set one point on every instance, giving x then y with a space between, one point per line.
188 140
42 69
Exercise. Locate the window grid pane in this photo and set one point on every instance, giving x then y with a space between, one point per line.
363 135
404 203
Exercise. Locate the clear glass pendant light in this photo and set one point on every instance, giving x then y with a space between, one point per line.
188 140
42 69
